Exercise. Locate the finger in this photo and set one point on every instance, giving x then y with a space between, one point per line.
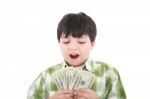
64 92
79 98
66 96
81 95
63 96
83 90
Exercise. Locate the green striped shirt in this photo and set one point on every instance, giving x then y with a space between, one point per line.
107 84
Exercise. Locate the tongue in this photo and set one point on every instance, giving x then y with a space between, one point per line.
74 56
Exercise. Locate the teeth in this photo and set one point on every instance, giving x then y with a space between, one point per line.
73 54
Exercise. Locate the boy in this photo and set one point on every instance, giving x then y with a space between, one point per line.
76 36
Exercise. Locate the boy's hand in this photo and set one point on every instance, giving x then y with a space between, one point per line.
62 94
85 93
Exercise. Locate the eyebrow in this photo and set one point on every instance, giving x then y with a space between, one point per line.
63 36
82 37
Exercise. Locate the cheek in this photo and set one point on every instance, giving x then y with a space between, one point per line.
85 52
63 50
87 48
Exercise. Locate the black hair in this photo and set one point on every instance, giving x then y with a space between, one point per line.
76 25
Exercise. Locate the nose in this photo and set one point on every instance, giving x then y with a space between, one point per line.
73 46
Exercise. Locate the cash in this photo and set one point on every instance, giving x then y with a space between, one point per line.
72 78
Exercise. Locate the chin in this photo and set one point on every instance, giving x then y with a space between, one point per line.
74 64
77 65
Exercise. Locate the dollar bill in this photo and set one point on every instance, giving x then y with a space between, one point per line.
72 78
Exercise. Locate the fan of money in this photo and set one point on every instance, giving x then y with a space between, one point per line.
72 78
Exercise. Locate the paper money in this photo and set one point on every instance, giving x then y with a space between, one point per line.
72 78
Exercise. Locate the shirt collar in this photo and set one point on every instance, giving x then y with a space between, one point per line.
88 65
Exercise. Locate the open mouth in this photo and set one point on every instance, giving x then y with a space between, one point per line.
74 56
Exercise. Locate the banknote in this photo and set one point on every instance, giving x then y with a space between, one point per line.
72 78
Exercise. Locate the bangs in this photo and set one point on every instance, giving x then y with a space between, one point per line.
75 27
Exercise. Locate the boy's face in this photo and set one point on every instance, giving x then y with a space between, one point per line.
75 50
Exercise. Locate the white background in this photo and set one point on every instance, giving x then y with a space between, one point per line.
28 42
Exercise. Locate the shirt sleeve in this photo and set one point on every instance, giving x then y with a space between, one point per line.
116 90
37 89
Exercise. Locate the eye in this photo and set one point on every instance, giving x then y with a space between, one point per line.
82 42
66 42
